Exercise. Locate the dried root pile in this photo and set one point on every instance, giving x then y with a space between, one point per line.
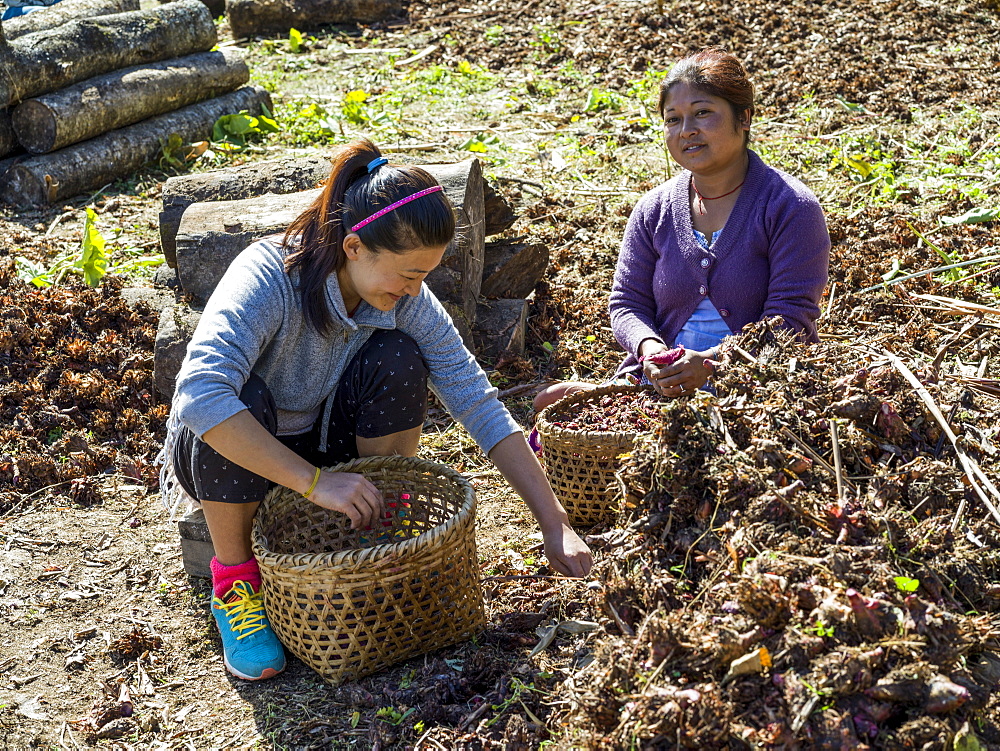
76 396
763 602
637 412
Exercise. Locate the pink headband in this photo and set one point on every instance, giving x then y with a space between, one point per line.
396 205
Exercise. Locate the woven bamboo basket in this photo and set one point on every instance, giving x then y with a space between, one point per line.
350 602
581 464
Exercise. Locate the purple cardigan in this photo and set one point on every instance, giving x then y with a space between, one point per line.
771 258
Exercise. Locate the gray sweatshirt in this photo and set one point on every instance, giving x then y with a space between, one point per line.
254 322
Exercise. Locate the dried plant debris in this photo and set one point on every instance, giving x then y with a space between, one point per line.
795 577
76 396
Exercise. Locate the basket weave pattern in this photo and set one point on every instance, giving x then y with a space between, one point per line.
350 602
581 464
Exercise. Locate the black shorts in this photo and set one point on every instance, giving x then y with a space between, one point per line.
383 391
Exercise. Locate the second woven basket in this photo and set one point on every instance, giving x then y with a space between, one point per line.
581 464
350 602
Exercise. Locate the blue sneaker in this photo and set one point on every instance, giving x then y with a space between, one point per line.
250 647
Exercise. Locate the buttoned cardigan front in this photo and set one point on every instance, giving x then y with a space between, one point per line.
771 259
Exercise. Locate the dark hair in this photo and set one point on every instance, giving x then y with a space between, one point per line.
717 72
350 195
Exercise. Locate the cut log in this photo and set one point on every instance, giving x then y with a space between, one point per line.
457 280
276 176
216 7
211 234
279 176
248 17
500 328
54 59
175 329
126 96
6 163
64 12
7 141
499 214
513 270
102 160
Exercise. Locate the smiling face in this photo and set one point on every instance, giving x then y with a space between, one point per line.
383 279
702 131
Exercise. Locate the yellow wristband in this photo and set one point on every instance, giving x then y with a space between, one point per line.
313 486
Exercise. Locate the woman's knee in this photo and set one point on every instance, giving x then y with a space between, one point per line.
396 352
557 391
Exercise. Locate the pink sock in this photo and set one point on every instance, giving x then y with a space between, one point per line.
223 577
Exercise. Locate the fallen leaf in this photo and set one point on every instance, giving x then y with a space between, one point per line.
32 709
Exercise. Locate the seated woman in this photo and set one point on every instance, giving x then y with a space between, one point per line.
726 242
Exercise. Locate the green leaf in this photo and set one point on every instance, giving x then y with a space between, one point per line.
93 260
237 125
854 109
33 273
267 124
906 584
355 719
860 166
894 271
966 740
973 216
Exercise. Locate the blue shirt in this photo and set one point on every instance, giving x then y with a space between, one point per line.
705 328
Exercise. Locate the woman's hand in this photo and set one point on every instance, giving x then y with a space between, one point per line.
349 494
690 372
567 553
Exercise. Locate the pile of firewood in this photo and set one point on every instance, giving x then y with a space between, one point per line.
208 218
91 90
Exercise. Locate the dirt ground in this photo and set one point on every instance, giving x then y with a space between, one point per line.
108 643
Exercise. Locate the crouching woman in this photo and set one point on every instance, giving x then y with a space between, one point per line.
317 348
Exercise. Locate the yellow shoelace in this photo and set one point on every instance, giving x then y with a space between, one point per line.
245 610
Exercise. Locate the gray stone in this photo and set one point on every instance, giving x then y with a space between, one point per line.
154 297
197 550
177 325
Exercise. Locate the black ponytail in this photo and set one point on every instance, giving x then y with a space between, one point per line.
352 194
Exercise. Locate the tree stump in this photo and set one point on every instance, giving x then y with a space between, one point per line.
174 331
500 327
126 96
248 17
64 12
513 270
102 160
458 278
276 176
56 58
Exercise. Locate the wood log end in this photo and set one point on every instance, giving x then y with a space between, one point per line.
34 126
